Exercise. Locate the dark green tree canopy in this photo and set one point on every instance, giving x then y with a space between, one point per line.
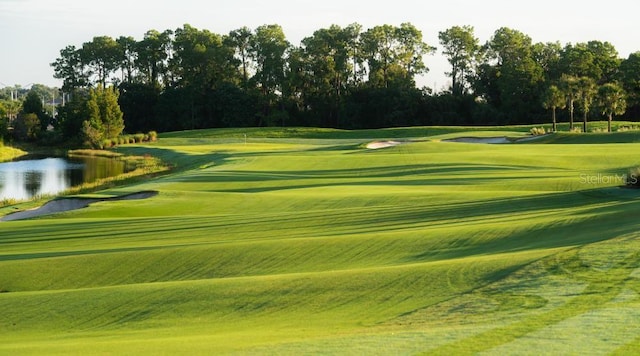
190 78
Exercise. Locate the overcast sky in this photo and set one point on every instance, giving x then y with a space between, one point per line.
32 32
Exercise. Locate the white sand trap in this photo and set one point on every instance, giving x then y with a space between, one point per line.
382 144
68 204
490 140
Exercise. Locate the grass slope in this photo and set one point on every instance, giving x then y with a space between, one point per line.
305 242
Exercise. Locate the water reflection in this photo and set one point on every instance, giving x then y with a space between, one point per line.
25 179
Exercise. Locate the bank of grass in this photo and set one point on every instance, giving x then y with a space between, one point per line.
8 153
144 167
297 245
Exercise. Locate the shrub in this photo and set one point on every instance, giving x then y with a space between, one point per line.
153 136
576 129
633 177
626 128
138 138
537 131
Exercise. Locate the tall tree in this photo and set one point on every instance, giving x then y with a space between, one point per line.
105 117
153 54
412 51
586 94
102 56
553 98
72 114
612 101
570 87
33 104
201 59
461 48
240 40
517 76
350 35
268 50
596 60
547 55
630 78
395 55
70 68
127 57
325 64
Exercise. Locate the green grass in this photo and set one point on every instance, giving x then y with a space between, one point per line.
302 241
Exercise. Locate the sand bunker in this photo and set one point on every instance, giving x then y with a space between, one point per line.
382 144
491 140
68 204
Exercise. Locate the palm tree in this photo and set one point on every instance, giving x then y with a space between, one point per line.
554 98
586 93
612 101
569 86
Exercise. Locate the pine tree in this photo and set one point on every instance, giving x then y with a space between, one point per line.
105 117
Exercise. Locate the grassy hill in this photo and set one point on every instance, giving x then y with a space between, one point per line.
289 241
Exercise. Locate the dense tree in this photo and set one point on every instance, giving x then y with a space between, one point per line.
153 54
26 127
137 102
102 57
71 115
201 59
33 104
516 76
395 55
462 50
324 65
189 78
268 48
596 60
548 56
630 79
612 101
105 119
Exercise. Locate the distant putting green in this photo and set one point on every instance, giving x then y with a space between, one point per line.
303 241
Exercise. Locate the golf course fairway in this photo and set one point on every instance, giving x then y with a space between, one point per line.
305 241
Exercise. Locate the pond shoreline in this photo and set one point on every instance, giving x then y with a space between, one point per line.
143 168
60 205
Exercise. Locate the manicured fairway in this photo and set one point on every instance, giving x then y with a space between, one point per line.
302 241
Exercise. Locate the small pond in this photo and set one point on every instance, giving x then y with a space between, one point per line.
36 176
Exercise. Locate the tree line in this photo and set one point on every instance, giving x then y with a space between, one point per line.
343 77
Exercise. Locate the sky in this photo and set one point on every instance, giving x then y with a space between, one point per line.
32 32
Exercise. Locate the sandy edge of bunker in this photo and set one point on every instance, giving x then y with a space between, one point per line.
68 204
